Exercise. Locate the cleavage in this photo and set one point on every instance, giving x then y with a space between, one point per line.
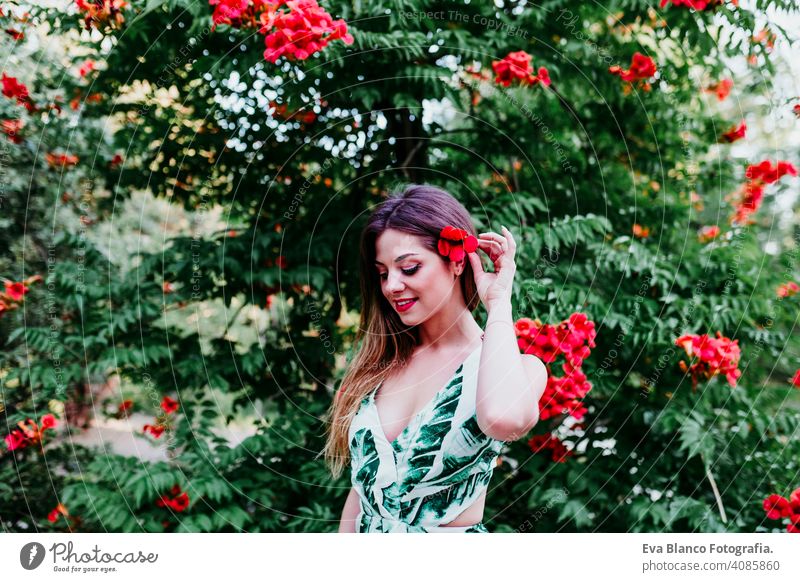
395 410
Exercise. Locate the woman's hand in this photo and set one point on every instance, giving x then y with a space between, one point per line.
496 287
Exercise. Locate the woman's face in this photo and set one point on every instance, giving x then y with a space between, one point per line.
408 270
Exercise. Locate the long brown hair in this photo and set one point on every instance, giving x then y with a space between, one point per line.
385 341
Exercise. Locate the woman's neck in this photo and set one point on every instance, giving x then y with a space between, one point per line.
451 326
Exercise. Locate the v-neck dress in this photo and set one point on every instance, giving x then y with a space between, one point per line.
435 468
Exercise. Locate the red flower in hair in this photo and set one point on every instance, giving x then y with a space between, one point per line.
456 242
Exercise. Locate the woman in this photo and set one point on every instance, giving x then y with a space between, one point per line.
430 399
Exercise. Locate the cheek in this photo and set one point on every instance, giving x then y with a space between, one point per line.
431 286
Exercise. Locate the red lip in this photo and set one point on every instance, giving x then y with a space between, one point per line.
405 307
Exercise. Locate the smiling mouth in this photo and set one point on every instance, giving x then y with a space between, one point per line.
403 305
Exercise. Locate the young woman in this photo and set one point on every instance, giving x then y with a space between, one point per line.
430 398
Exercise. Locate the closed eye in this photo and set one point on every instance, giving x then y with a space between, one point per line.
410 271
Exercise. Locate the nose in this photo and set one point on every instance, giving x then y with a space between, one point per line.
394 283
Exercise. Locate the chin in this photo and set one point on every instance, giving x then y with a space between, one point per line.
409 317
411 322
416 318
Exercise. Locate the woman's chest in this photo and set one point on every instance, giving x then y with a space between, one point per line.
402 397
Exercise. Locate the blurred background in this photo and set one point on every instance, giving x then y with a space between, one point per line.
183 187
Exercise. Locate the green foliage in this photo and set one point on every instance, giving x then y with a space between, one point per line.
203 120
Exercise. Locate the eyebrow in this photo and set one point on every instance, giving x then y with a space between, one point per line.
398 259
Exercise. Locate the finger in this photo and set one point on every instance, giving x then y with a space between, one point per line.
504 268
497 245
512 244
490 245
476 263
507 236
500 240
492 236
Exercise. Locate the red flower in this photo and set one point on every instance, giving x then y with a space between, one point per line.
169 405
301 32
28 432
640 231
544 76
15 34
776 506
167 287
699 5
178 502
751 193
304 117
124 407
86 67
735 133
48 421
281 262
788 289
793 512
796 110
542 443
516 66
61 160
796 379
642 68
181 502
750 196
455 243
524 326
721 88
154 430
59 510
768 173
714 356
13 89
102 12
11 128
573 339
15 291
238 13
15 440
708 233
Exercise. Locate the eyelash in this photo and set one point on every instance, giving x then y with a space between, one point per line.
410 271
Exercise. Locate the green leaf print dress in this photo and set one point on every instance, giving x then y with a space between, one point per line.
435 468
